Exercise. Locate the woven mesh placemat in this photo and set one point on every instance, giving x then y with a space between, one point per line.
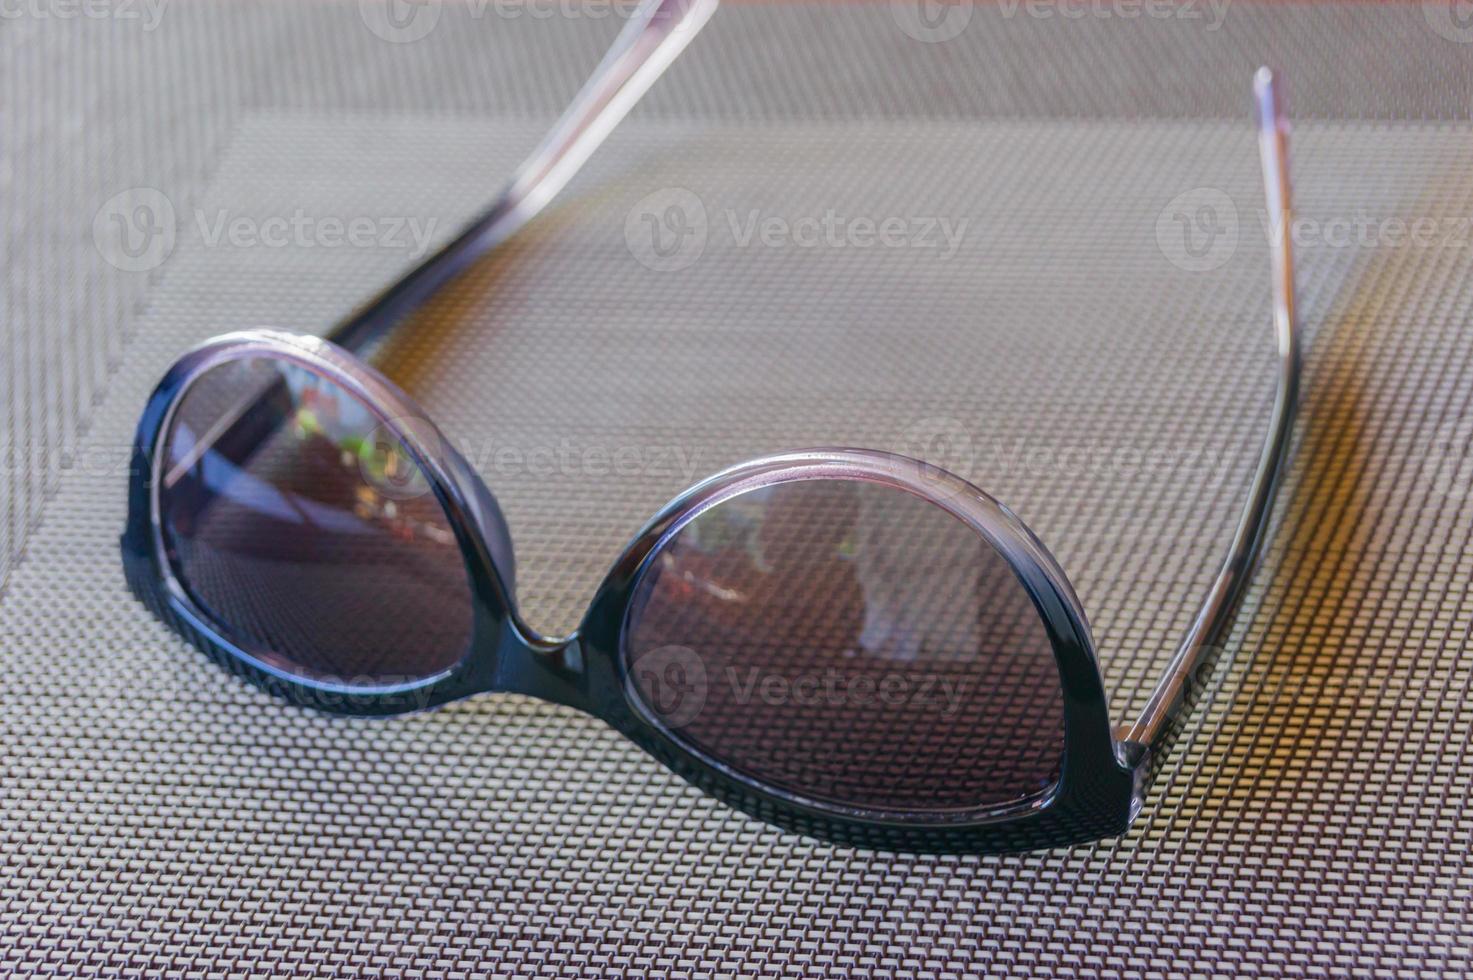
1066 346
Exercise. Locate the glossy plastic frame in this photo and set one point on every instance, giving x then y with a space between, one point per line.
1100 786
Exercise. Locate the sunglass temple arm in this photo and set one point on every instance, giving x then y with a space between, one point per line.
1217 609
654 36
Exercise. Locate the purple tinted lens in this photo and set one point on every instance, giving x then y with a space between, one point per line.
851 643
297 521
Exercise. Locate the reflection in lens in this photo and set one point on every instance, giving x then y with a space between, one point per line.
851 643
297 521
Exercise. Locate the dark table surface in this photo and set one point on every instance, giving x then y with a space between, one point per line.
1091 371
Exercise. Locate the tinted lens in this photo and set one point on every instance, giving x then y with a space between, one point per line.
295 518
851 643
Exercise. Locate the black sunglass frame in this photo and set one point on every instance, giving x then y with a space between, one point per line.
1099 786
1103 771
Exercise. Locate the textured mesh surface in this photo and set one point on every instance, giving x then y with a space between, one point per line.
158 816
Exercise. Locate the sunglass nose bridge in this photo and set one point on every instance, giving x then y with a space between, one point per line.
549 669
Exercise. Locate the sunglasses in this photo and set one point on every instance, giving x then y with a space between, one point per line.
851 644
